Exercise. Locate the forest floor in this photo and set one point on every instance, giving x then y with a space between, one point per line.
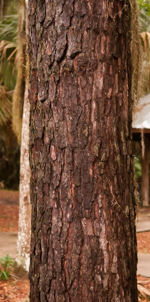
17 289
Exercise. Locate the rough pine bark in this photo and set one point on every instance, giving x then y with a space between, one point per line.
83 239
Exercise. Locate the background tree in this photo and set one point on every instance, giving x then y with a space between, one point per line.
83 240
21 128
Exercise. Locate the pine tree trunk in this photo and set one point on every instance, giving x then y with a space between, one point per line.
83 240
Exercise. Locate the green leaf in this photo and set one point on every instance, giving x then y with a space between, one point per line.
4 275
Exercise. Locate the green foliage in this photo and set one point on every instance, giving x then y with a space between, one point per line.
8 28
8 51
5 267
10 7
144 15
144 4
8 59
138 168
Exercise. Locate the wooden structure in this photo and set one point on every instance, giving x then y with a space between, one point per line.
141 125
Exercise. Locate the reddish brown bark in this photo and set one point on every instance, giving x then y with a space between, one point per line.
83 245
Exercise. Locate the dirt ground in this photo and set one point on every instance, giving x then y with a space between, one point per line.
9 197
18 289
143 242
9 211
15 289
9 218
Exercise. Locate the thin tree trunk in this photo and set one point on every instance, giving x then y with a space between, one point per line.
24 234
83 242
145 175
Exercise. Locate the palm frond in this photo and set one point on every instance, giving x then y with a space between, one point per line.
8 60
144 20
144 15
5 47
5 105
8 51
8 28
11 55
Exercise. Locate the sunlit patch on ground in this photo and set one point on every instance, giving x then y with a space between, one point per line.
143 242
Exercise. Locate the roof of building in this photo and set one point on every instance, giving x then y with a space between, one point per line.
141 116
